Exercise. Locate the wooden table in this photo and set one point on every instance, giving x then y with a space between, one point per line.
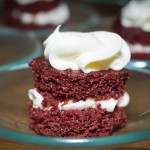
11 145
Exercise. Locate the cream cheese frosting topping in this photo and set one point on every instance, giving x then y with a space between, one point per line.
136 14
109 104
91 51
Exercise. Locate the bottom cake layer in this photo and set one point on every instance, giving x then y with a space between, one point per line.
89 122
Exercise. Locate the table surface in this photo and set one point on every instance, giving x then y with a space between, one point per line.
140 145
10 145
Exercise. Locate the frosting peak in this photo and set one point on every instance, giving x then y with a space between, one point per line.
91 51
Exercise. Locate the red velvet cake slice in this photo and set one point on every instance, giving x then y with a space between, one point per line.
36 14
79 85
133 26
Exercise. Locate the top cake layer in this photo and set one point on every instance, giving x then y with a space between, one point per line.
68 84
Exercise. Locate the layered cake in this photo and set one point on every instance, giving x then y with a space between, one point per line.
134 26
79 85
36 14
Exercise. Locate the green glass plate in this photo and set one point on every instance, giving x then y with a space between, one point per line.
14 112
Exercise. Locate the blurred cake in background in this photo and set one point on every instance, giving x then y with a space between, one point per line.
36 14
134 26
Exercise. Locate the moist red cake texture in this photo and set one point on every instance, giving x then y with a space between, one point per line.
59 86
104 84
133 35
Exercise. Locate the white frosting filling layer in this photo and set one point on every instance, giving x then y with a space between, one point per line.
138 48
109 104
91 51
136 14
55 16
25 2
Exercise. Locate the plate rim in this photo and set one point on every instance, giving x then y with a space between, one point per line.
22 62
76 142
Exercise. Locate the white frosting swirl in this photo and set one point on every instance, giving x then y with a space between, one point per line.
92 51
109 104
136 14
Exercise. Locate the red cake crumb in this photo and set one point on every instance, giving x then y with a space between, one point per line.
89 122
104 84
